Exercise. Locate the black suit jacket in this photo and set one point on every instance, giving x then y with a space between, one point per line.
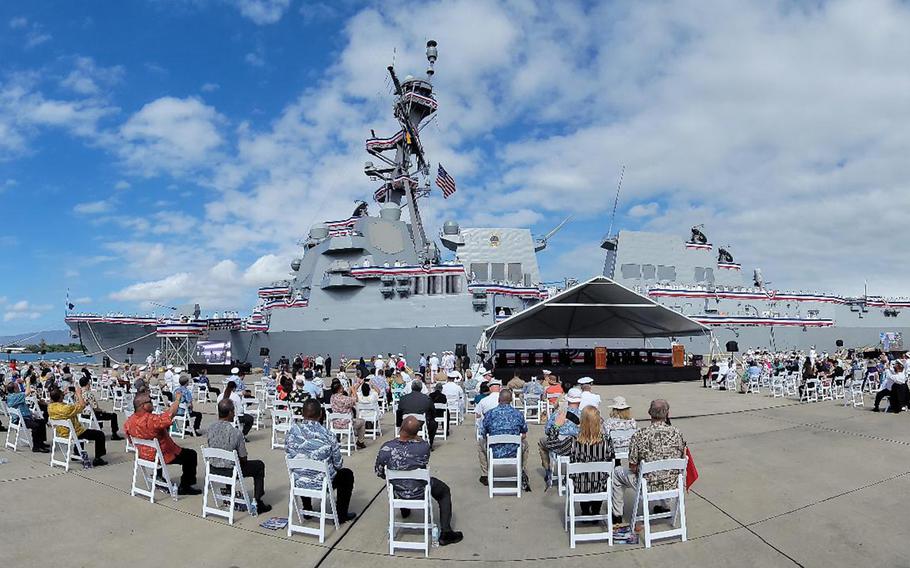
417 403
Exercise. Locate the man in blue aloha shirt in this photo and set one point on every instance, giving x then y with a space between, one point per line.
504 419
309 439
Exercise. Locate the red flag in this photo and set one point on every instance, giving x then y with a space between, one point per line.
691 470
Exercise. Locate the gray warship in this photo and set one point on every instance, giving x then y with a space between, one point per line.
703 281
368 284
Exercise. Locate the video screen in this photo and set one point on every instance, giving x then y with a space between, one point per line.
213 352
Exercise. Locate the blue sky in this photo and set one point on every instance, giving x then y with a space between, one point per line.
175 150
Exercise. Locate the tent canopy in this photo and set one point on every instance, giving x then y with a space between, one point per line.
599 308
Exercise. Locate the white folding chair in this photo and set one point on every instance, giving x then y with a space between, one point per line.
777 386
281 425
754 385
730 381
454 412
560 463
324 494
371 415
839 388
645 497
442 422
810 391
826 389
88 418
180 427
621 439
344 432
854 394
506 462
423 433
532 407
118 399
201 393
69 445
223 505
149 470
253 407
573 497
16 426
423 504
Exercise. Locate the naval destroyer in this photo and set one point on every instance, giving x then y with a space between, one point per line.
366 284
704 282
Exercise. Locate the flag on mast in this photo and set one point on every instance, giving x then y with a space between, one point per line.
445 182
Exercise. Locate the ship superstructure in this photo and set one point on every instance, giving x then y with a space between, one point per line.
372 284
704 281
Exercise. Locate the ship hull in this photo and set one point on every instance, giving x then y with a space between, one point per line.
113 340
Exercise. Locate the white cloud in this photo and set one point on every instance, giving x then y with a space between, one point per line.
82 300
209 87
23 309
18 23
644 209
263 12
92 207
121 185
171 134
88 78
255 58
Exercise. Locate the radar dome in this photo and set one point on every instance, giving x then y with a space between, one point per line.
450 228
319 231
295 264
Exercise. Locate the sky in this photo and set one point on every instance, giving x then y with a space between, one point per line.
174 151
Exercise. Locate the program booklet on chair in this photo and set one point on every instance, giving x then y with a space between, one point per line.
274 523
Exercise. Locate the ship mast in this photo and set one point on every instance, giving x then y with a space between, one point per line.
414 103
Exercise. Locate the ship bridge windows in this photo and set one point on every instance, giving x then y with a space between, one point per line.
648 271
514 273
497 271
666 273
630 271
479 271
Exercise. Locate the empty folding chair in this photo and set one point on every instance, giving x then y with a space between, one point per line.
777 386
854 394
149 469
14 434
515 462
223 504
324 494
645 497
573 497
423 504
68 444
281 425
442 422
342 425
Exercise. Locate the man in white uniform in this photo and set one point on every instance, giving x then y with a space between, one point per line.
434 363
488 402
380 365
452 389
588 398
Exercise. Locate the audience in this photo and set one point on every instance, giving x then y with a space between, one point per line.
415 402
224 436
588 397
504 419
342 403
592 444
245 420
59 410
36 424
568 427
659 441
309 439
89 397
407 453
187 399
144 424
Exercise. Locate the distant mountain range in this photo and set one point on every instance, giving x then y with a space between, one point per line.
55 336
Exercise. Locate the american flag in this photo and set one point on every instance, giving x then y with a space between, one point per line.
445 182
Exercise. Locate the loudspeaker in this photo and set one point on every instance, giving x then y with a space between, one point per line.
839 342
461 349
263 351
732 347
129 350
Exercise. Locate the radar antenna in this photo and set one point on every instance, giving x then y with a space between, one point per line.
622 173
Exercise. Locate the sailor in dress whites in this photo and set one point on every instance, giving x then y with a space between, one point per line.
588 398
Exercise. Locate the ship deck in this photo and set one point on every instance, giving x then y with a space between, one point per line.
781 484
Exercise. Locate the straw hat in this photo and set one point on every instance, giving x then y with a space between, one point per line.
619 403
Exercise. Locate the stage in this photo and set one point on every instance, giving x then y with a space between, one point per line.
612 375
